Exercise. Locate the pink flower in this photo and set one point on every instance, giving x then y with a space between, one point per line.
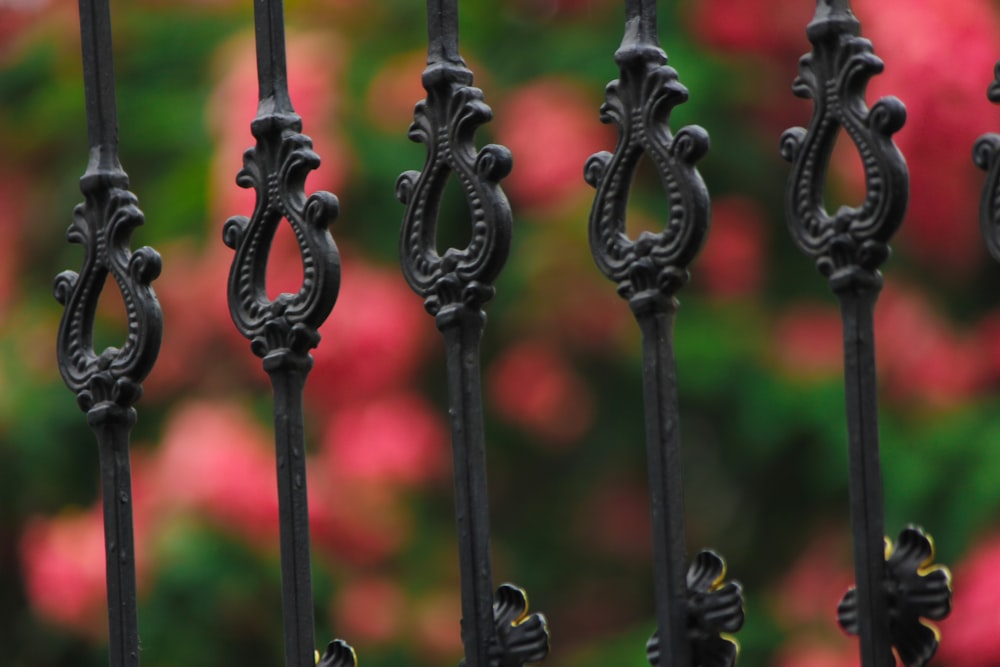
808 341
551 126
732 263
202 338
936 365
532 386
946 111
374 340
392 440
356 520
812 589
216 462
370 610
62 559
773 29
971 635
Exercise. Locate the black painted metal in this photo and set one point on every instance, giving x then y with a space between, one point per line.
986 155
848 248
455 287
107 384
692 609
898 586
283 330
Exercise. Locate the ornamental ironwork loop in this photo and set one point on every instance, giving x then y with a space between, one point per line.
639 103
446 122
103 225
851 244
276 168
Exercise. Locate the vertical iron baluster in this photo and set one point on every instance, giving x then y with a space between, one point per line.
108 384
283 331
455 287
692 609
893 590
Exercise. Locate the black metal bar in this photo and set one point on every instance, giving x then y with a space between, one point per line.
283 330
455 286
108 383
649 271
116 492
272 71
288 377
666 493
99 83
462 329
848 248
442 32
857 309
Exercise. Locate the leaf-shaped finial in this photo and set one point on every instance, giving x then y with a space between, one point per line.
521 637
916 589
338 653
715 609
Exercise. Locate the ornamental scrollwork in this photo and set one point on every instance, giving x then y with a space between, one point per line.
916 589
276 168
639 103
103 225
446 122
852 243
714 608
986 155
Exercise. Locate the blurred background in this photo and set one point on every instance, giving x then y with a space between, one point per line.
757 339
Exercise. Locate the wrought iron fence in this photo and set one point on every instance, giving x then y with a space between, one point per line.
898 588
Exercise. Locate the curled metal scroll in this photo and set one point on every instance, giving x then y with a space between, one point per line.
103 224
446 123
639 103
276 168
853 242
986 155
